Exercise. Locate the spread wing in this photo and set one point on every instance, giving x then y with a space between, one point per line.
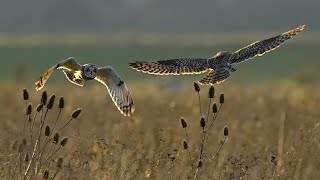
70 75
259 48
117 89
69 64
172 66
215 76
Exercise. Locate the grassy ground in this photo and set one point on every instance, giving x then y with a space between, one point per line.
273 132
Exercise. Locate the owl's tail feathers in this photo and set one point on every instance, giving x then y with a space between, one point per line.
215 77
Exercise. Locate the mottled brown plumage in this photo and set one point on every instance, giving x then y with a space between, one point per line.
219 67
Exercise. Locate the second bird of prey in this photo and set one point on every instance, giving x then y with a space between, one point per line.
219 68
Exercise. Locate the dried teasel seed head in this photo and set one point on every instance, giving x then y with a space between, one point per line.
211 92
25 95
183 123
225 131
39 107
199 164
46 174
60 162
214 108
76 113
221 98
14 145
51 101
47 131
26 158
185 145
61 102
64 142
196 87
44 98
29 109
202 122
20 149
56 138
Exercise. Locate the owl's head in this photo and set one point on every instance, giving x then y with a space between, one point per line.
90 71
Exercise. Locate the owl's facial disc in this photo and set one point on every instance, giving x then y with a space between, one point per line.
90 71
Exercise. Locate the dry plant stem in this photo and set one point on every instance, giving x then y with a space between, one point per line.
30 133
188 151
55 123
26 116
34 119
31 160
220 148
280 143
214 119
207 120
215 156
49 157
199 104
56 173
65 125
35 148
10 159
44 146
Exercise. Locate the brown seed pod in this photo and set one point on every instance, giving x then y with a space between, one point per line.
56 138
44 98
199 164
39 107
214 108
226 131
46 174
221 98
60 162
51 101
29 109
25 95
64 142
183 123
61 102
185 145
76 113
196 87
202 122
47 131
26 158
211 92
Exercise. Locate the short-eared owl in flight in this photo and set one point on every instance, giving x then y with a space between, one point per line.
219 66
79 74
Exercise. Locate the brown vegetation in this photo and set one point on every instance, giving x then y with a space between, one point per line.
272 132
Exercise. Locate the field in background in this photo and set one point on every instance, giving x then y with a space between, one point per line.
105 145
282 86
28 56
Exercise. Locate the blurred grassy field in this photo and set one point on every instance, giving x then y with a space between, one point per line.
106 145
289 61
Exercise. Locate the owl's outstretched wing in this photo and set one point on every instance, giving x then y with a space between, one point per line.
172 66
117 89
215 77
68 64
70 75
259 48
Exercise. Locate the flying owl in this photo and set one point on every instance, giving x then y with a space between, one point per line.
78 74
219 67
